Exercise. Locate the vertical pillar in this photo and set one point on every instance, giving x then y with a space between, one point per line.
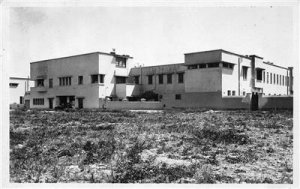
291 80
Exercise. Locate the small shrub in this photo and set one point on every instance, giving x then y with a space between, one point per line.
204 174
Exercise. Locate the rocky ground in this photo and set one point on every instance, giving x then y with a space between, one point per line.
174 146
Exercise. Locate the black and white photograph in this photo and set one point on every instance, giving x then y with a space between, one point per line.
184 93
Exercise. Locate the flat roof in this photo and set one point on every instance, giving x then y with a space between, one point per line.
118 55
222 50
174 64
19 78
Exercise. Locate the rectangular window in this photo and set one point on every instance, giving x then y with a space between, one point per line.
178 97
120 80
97 78
267 77
191 67
259 74
244 72
38 101
244 93
277 79
80 80
101 76
201 66
137 79
21 100
233 93
13 85
169 78
264 77
227 65
150 79
65 81
121 62
274 77
160 78
287 81
228 93
40 82
50 83
213 65
283 80
271 79
180 77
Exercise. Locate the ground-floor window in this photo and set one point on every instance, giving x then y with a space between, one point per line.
38 101
178 97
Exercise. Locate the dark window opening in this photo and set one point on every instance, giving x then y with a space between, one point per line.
201 66
227 65
50 83
137 79
21 100
13 85
38 101
180 77
169 78
178 97
192 67
274 77
259 74
267 77
244 93
121 62
40 82
244 72
233 93
271 78
228 93
120 80
64 81
213 65
160 78
97 78
80 80
150 79
264 77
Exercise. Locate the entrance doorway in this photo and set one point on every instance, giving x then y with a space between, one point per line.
50 103
80 103
66 101
254 101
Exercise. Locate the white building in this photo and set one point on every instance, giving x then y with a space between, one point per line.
18 86
205 79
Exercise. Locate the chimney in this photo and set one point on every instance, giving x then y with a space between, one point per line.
113 51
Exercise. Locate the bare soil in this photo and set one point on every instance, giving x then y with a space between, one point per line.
173 146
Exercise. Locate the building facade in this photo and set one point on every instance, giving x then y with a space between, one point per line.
203 80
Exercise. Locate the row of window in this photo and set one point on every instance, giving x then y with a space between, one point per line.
161 78
211 65
67 81
271 78
38 101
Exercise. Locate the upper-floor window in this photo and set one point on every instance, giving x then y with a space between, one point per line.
180 77
150 79
120 80
80 80
50 83
244 72
271 79
97 78
169 78
13 85
201 66
40 82
213 65
233 93
267 77
274 77
65 81
137 79
264 76
229 93
227 65
160 78
259 74
192 67
121 62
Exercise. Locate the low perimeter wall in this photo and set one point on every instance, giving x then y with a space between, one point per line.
129 105
276 102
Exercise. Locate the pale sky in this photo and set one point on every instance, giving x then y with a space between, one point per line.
153 36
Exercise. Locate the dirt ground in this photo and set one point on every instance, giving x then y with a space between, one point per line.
173 146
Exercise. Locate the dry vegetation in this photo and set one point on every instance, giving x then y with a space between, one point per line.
168 147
